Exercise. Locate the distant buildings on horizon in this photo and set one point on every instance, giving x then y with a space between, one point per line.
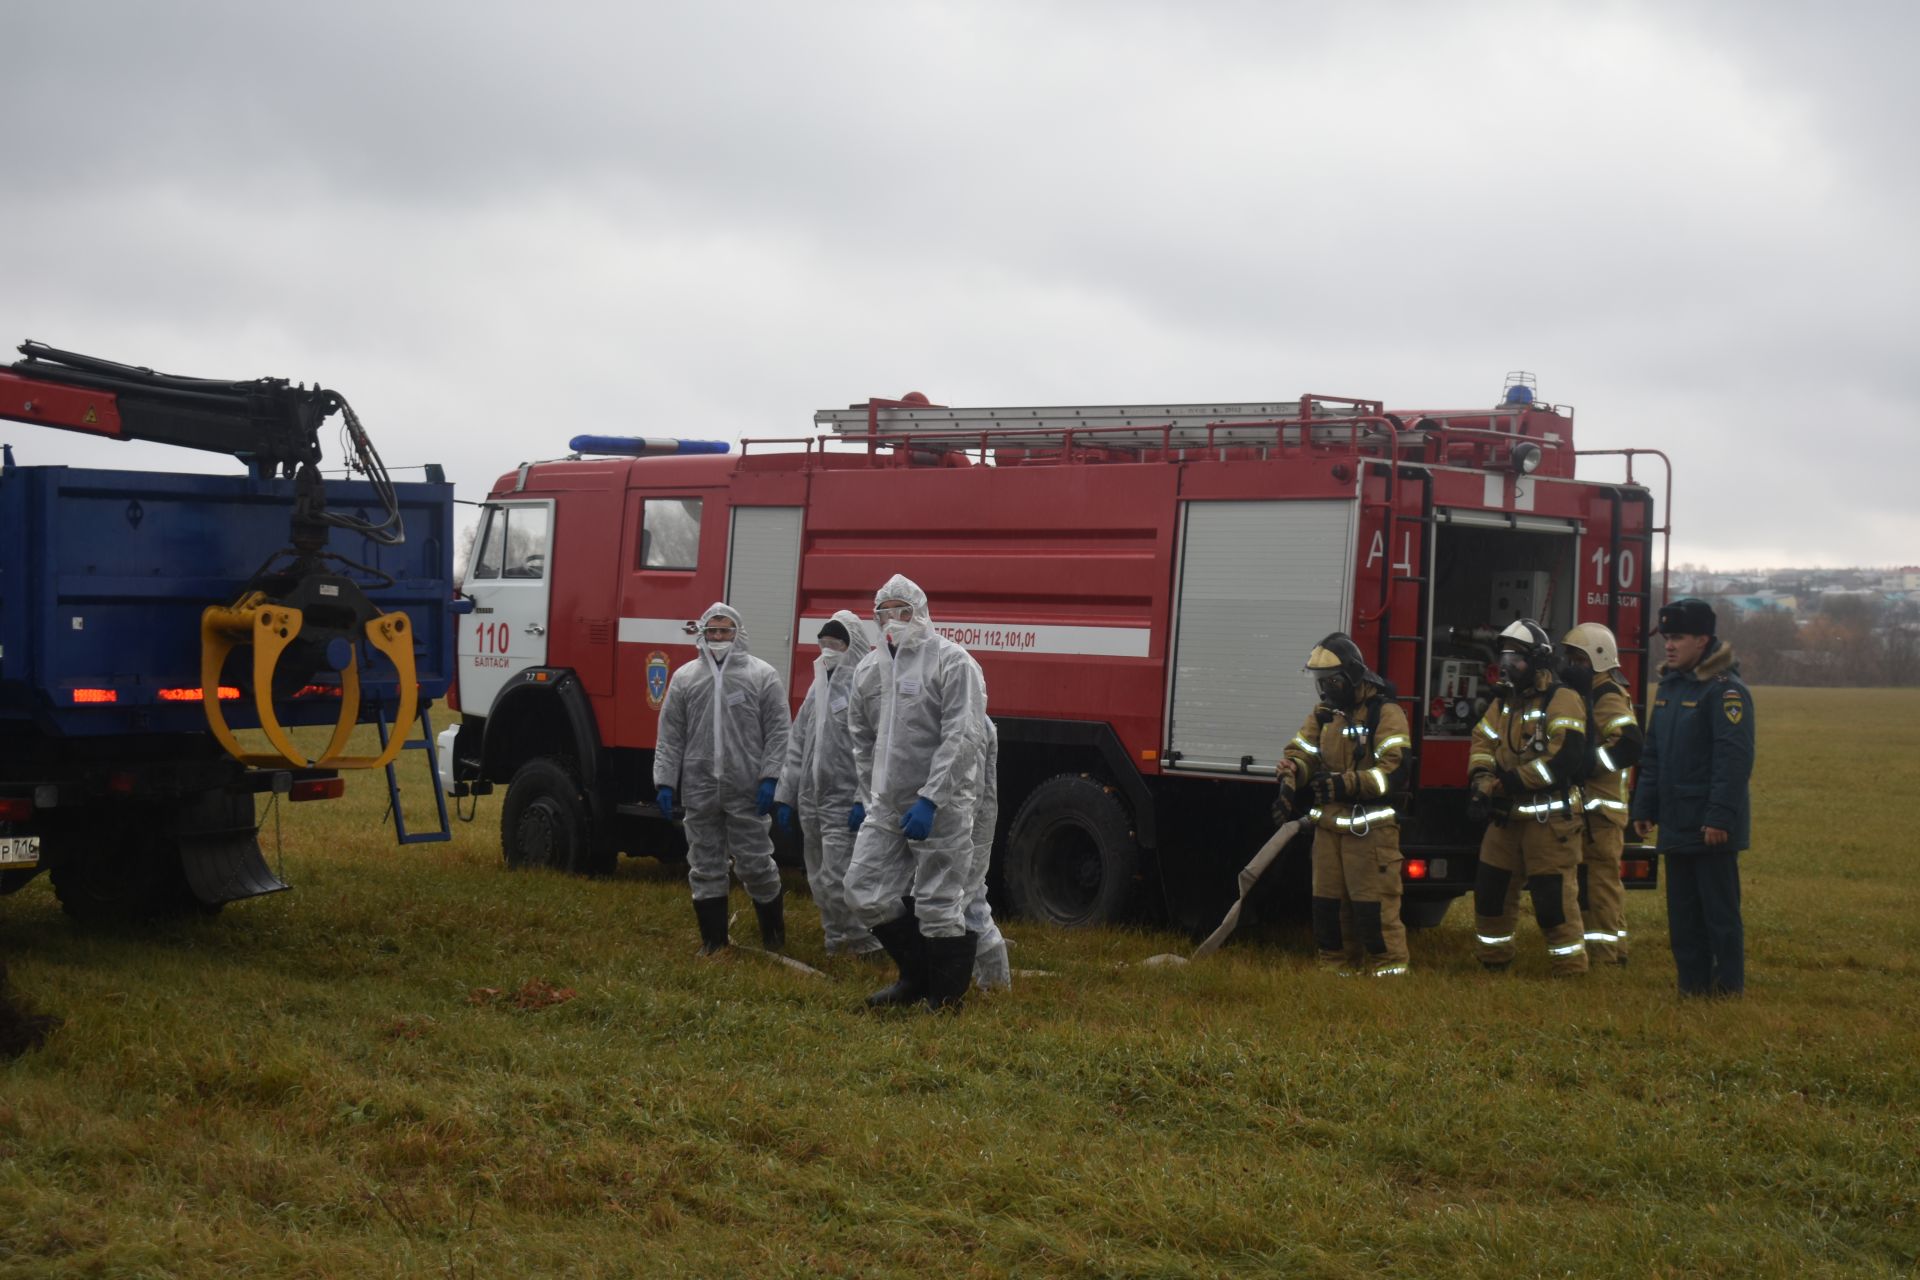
1795 591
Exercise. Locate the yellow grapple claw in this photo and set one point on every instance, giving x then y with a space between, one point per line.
270 627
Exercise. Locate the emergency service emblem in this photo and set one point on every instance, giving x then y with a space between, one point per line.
1735 708
657 673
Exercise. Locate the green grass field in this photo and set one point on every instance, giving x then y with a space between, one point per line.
366 1077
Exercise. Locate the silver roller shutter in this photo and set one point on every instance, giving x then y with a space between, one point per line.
1260 584
763 573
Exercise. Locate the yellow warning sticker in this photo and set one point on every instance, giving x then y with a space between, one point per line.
91 417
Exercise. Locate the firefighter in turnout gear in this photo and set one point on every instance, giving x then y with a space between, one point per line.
1592 668
1521 775
1348 761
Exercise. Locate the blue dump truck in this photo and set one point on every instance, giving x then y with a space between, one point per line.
162 635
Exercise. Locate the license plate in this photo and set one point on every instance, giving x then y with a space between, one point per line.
16 851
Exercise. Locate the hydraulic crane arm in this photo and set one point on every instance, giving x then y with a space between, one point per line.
268 423
301 618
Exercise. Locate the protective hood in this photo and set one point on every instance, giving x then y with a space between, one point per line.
858 643
900 587
721 609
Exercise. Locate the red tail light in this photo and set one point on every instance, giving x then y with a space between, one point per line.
226 693
15 808
1416 868
318 789
95 695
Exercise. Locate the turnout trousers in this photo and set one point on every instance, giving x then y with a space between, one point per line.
1603 902
1356 900
1543 857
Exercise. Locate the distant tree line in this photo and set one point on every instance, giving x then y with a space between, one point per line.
1847 640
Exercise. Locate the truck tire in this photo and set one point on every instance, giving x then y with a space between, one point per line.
116 873
547 821
1072 856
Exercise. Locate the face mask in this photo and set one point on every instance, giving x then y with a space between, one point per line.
1335 691
1515 671
898 631
719 652
829 659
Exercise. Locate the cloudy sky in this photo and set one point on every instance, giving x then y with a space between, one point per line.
493 226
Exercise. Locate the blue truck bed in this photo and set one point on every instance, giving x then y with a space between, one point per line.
104 574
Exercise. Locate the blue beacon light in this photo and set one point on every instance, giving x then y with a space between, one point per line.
645 446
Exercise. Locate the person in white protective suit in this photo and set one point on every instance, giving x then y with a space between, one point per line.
819 786
723 739
916 728
991 969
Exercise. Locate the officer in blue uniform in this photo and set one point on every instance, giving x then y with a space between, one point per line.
1692 785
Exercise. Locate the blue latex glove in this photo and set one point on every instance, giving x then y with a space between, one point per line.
856 816
764 800
783 816
918 821
665 801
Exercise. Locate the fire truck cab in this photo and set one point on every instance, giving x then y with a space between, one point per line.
1140 583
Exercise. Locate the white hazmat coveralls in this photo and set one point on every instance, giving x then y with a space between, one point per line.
820 782
916 733
723 728
991 969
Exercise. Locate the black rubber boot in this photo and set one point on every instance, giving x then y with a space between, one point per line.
903 941
950 971
773 922
712 915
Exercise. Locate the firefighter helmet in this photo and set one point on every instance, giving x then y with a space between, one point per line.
1338 670
1597 642
1526 636
1525 651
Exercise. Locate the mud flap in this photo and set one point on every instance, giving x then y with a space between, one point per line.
227 865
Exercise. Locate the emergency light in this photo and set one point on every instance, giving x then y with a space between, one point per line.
644 446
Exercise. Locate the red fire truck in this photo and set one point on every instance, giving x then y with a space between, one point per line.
1140 583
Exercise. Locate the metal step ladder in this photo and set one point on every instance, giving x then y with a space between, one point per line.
1106 426
428 745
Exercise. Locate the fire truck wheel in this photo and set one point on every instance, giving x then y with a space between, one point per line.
546 821
1071 853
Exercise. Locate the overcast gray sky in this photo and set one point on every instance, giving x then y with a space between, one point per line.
493 226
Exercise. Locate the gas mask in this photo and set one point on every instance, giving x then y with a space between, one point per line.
1578 678
1335 689
1515 671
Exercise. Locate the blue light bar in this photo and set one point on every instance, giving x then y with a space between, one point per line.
644 446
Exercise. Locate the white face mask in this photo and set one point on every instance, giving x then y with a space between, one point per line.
898 631
719 652
830 659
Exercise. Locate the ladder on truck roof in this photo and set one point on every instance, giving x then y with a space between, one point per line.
1107 426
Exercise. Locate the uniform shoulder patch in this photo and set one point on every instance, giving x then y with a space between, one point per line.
1736 710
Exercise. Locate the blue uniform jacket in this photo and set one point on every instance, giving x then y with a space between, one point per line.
1699 756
